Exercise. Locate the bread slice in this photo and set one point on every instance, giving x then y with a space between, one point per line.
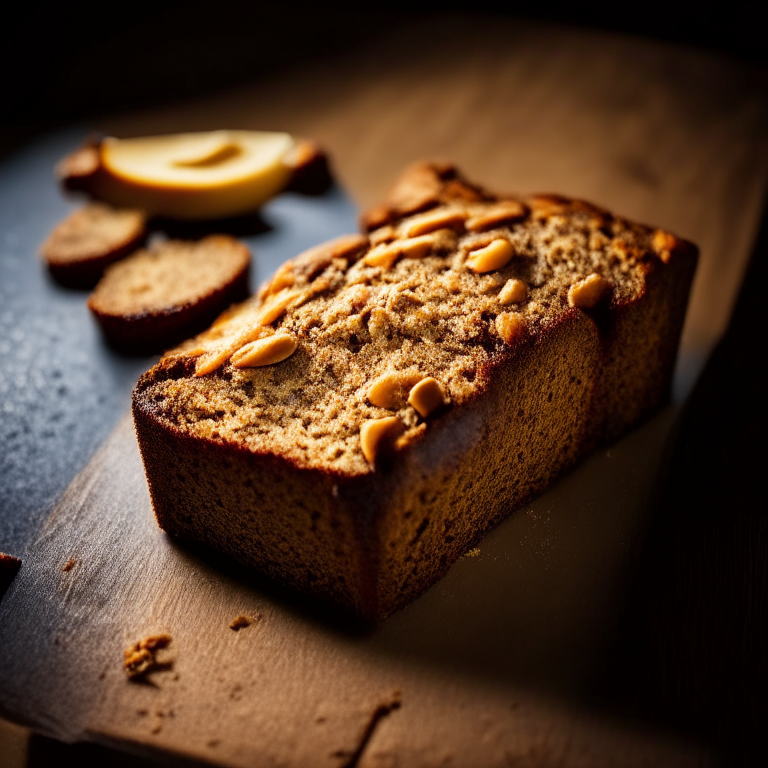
81 247
160 295
389 398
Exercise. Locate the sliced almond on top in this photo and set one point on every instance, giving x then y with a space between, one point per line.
386 254
219 355
495 255
391 390
377 435
589 292
513 292
441 218
427 396
492 216
267 351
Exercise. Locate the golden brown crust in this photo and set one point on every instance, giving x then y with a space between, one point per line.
423 185
291 451
82 246
158 296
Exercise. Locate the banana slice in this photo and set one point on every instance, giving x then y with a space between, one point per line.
195 175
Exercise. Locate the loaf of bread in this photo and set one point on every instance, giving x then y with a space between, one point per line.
389 397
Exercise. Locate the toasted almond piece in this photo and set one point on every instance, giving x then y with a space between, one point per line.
433 220
503 212
391 390
214 359
513 292
494 256
589 292
378 434
283 278
427 396
664 244
267 351
276 306
386 254
510 326
384 234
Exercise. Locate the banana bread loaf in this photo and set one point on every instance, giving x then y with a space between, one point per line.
390 397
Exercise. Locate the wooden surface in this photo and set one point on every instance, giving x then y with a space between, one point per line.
496 664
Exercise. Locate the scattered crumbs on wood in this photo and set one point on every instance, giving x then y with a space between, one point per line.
474 552
141 658
242 621
69 565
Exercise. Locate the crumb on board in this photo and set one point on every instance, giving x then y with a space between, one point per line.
140 658
474 552
241 621
69 565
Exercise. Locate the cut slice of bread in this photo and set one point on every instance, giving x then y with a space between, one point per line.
160 295
81 247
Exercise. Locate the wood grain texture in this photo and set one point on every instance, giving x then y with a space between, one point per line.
301 686
493 665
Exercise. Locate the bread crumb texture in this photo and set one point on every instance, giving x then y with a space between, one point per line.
141 658
408 299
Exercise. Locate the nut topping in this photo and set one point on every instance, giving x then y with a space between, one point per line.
494 256
429 222
386 254
376 435
664 244
513 292
510 326
589 292
427 396
214 359
390 390
273 349
503 212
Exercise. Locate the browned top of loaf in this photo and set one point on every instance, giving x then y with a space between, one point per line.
355 317
168 276
92 233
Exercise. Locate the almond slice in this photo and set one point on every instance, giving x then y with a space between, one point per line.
391 390
589 292
376 435
427 396
494 256
267 351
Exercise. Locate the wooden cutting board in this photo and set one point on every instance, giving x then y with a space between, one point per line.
494 665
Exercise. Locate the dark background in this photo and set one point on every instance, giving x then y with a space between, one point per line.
69 62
